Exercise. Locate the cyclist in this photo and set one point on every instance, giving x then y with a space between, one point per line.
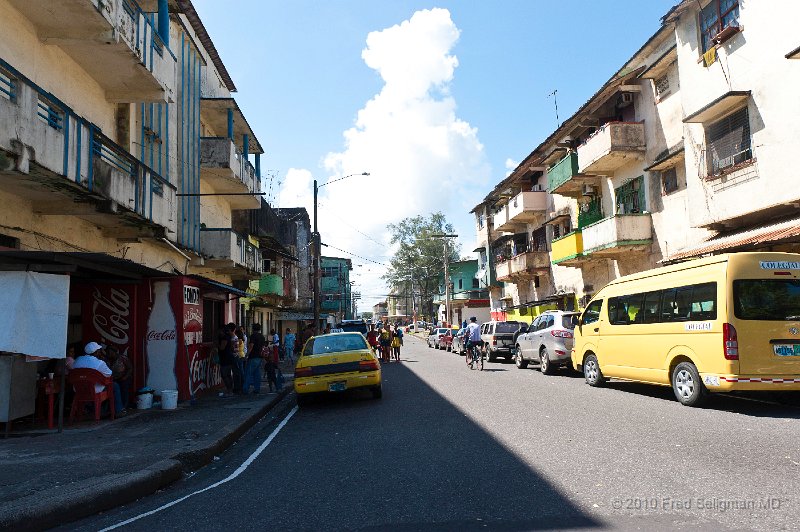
473 336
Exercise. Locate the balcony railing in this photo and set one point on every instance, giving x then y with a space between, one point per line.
67 155
111 40
567 250
523 266
617 235
224 168
612 146
565 179
229 252
270 284
522 209
500 218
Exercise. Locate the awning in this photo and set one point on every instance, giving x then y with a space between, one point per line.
659 67
77 264
557 218
226 288
668 160
794 54
748 240
727 102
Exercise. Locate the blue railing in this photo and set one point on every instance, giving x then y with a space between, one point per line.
146 37
7 86
83 140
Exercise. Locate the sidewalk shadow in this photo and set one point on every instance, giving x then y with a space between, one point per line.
421 463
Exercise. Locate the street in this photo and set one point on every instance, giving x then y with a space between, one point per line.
448 448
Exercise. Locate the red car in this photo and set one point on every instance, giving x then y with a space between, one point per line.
446 340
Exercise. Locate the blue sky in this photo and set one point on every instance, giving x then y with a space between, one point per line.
472 76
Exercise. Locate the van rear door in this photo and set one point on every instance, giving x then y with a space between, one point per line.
767 323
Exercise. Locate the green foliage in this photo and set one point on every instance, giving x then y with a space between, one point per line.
420 256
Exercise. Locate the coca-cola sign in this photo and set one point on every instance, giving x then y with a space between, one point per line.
161 335
110 313
203 373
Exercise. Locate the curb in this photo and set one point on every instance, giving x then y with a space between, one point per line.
103 493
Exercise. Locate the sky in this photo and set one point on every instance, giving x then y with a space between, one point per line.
436 101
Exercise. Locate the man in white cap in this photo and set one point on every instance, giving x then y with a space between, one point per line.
90 360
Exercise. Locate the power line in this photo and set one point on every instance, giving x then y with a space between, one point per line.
353 254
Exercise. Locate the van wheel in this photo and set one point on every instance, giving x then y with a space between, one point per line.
520 362
687 385
591 372
544 365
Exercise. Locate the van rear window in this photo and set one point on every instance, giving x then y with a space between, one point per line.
766 299
506 327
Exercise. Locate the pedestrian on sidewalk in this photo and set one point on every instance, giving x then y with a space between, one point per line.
227 360
254 360
288 345
241 356
396 343
121 372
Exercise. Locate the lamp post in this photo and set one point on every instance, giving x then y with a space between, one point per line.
445 237
315 237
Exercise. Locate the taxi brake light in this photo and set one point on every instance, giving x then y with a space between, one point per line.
730 342
303 372
368 365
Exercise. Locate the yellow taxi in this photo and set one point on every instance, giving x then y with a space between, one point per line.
334 363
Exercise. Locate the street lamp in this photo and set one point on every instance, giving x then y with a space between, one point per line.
445 237
317 252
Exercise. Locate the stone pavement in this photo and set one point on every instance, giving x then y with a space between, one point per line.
47 479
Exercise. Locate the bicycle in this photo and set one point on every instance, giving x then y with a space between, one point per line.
474 356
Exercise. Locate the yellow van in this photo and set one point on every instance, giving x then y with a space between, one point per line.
722 323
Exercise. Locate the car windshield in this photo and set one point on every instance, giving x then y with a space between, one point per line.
568 321
353 327
334 343
767 299
506 327
441 331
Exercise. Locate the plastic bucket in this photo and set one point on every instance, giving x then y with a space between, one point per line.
169 399
144 401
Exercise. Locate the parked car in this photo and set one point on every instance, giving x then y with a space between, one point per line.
498 338
433 337
446 340
353 326
459 340
548 341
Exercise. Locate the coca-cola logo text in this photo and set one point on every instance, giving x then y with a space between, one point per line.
203 373
109 315
169 334
192 314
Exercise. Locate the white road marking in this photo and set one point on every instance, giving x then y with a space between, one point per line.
230 477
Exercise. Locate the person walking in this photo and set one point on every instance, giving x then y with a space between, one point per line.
227 359
385 339
288 345
241 355
397 341
255 346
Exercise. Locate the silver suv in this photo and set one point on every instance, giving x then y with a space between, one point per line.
548 341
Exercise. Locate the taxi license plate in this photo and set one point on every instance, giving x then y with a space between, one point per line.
786 350
337 386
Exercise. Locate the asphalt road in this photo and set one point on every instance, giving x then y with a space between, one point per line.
452 449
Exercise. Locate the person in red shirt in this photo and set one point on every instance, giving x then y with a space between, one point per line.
372 337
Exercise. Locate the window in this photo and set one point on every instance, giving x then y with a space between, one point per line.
480 221
592 312
728 142
630 196
669 180
650 306
330 271
460 284
662 86
625 309
539 239
766 299
715 17
693 302
476 283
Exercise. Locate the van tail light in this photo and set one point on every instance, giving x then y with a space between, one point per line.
561 334
303 372
368 365
730 342
494 340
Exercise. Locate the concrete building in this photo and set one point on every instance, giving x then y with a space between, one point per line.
335 288
120 147
467 298
683 152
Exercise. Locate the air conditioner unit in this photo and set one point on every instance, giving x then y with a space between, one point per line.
589 190
625 99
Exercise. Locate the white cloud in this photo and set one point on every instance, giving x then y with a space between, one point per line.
511 164
421 156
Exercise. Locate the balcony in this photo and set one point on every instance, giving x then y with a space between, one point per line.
500 218
522 209
568 250
619 235
612 146
223 167
230 253
524 266
64 165
564 179
114 41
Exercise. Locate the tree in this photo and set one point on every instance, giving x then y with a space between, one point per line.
419 260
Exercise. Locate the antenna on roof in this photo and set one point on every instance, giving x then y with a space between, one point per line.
554 94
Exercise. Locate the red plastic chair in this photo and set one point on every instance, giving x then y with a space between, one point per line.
83 380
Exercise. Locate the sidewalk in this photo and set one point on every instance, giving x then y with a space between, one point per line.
47 479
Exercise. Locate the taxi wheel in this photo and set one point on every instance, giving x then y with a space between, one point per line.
687 385
591 372
377 392
520 362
